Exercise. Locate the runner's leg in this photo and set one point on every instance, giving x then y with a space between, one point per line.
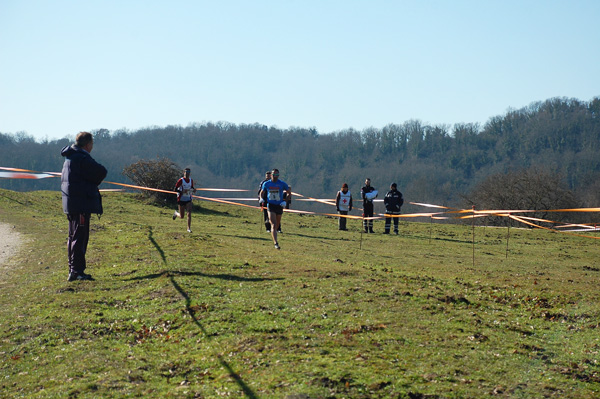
189 218
274 224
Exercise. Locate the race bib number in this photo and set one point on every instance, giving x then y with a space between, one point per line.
274 195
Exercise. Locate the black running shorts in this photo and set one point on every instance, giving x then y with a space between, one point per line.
278 209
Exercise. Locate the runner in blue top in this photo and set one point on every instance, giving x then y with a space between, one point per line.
273 193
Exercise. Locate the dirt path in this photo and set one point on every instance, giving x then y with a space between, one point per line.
10 241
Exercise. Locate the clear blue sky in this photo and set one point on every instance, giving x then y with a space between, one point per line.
67 66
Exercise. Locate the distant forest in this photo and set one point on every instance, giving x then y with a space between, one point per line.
437 164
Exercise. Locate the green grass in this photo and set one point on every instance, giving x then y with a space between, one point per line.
220 313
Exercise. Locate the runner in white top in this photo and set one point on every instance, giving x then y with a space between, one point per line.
185 188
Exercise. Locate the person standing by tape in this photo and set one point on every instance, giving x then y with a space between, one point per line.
185 188
343 203
81 175
368 194
393 200
273 194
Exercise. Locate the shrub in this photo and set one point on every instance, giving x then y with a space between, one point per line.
160 173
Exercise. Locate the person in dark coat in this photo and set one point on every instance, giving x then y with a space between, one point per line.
368 194
393 201
81 176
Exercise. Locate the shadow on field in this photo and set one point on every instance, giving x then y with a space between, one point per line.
171 275
247 390
267 237
158 248
330 238
200 210
15 200
226 277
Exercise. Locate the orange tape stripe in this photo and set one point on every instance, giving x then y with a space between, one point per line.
223 189
21 175
549 229
225 202
141 188
29 171
327 202
430 205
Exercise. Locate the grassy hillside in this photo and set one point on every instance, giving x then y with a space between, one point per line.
220 313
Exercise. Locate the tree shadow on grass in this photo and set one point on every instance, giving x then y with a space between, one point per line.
200 210
268 238
247 390
158 248
172 274
15 200
329 238
221 276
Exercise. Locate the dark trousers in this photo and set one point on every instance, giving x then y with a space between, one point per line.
368 212
79 235
388 222
266 219
342 221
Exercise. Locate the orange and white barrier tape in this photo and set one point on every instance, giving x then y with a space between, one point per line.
23 175
15 173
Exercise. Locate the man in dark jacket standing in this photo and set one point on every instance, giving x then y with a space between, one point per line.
368 194
393 201
80 178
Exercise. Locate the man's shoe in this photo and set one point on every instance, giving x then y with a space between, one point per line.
189 230
268 230
395 232
174 215
386 232
74 276
279 231
277 246
84 276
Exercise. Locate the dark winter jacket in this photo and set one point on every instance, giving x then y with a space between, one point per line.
81 176
366 190
393 201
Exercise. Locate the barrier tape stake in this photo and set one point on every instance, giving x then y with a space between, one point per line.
361 230
473 223
508 236
430 227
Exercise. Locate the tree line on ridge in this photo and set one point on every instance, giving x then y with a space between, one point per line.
438 164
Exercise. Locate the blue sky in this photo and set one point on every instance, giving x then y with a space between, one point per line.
68 66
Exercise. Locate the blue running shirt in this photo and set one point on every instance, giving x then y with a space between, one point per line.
275 191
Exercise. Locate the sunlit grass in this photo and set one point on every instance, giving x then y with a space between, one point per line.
219 312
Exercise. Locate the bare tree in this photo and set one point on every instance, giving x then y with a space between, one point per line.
531 189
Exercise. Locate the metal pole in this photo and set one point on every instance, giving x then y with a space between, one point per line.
362 228
507 237
473 223
430 224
